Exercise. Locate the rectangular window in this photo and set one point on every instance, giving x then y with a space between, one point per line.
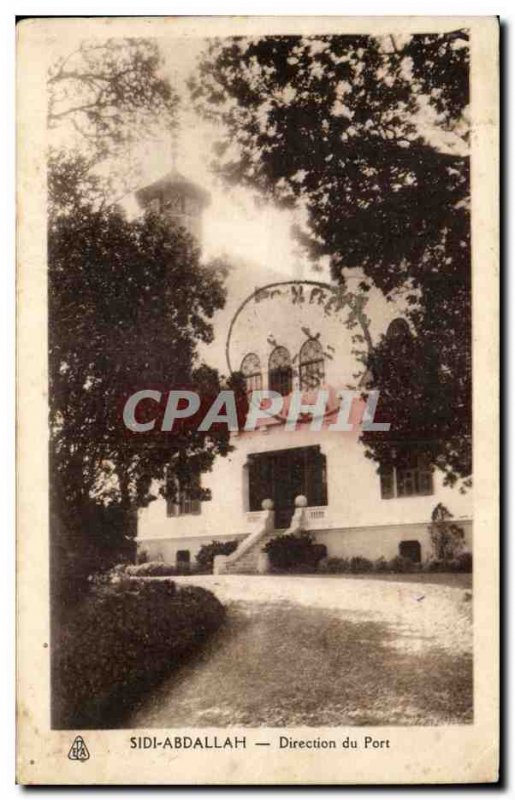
188 504
387 484
184 500
411 479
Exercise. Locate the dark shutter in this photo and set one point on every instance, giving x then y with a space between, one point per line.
260 484
316 477
253 484
387 486
171 507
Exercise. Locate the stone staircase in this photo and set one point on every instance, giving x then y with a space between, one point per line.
247 563
248 558
248 555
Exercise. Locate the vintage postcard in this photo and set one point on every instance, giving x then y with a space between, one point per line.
258 275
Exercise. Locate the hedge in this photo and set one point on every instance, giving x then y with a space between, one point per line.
396 565
121 641
294 552
156 569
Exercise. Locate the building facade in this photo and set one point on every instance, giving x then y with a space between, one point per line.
297 336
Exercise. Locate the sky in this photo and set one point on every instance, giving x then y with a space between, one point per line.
234 224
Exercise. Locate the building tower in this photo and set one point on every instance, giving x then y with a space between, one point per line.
180 200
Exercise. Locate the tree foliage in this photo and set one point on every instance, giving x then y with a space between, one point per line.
104 98
129 303
369 135
446 537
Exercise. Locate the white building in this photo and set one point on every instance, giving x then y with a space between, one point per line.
290 335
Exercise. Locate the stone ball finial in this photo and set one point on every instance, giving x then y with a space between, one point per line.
301 501
267 505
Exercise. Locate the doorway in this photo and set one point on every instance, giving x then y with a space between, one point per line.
411 550
282 475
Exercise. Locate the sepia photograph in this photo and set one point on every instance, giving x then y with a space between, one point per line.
261 443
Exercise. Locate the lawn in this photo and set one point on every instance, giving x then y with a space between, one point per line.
275 664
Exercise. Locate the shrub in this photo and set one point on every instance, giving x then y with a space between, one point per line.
461 563
294 552
120 641
431 565
446 537
156 569
400 564
334 565
150 568
464 562
359 564
296 569
86 539
319 551
207 553
381 565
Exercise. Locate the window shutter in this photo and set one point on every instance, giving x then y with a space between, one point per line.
255 484
425 479
171 508
196 506
316 477
387 486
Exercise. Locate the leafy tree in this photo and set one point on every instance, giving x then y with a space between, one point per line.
129 302
103 98
369 135
446 537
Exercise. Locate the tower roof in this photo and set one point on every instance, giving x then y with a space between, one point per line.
172 180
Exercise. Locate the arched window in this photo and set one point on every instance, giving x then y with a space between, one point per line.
311 365
280 371
251 370
398 329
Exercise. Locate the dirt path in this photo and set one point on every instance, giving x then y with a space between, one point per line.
324 652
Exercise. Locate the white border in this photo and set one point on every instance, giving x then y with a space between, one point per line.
7 272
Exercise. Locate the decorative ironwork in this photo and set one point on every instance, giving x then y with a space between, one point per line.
280 371
311 368
331 298
251 370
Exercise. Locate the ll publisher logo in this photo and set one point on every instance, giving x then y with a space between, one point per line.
78 750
